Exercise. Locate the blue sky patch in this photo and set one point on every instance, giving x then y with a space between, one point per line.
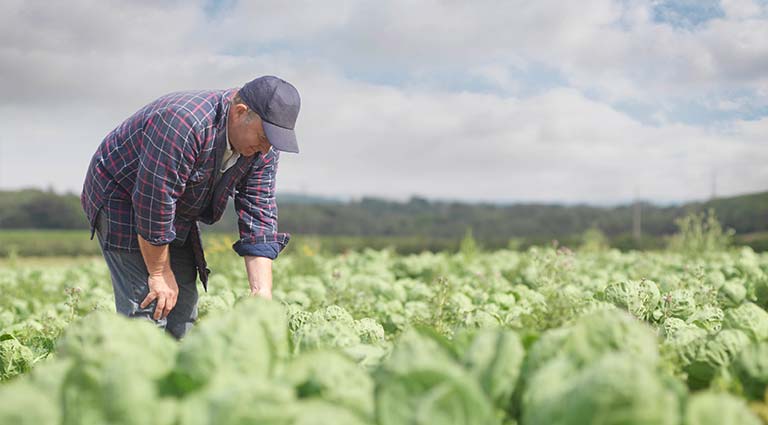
701 112
215 8
686 14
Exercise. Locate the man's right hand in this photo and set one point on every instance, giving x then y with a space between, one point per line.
165 290
162 282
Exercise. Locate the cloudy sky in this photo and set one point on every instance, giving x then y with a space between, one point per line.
567 101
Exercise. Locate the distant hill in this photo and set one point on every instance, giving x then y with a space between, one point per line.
298 198
37 209
420 217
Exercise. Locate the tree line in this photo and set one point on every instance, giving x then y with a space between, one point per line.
493 224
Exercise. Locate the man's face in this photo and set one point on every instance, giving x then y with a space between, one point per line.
246 133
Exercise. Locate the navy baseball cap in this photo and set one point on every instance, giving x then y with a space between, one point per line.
277 102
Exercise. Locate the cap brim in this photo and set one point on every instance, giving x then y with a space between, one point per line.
282 139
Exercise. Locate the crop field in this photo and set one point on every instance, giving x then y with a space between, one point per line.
546 336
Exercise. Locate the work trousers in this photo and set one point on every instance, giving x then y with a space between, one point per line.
130 284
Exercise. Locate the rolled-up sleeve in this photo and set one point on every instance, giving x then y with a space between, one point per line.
170 146
256 208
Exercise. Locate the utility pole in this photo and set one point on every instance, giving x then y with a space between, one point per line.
714 184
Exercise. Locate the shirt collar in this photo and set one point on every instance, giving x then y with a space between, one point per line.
229 144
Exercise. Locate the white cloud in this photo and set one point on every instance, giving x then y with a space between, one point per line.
740 9
86 65
499 76
359 139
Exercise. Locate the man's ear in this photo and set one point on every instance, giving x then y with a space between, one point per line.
240 110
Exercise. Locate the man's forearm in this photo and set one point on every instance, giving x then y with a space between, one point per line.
161 282
259 275
156 257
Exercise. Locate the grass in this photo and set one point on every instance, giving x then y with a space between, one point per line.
77 243
47 243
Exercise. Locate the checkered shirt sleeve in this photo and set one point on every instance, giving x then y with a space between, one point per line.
256 208
170 146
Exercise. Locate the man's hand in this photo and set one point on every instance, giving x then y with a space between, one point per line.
259 275
161 281
165 290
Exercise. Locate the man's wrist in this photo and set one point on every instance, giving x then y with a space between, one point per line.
165 272
259 271
260 284
156 258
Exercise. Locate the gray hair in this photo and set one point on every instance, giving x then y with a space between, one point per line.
238 100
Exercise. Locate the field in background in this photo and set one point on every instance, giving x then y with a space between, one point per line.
76 243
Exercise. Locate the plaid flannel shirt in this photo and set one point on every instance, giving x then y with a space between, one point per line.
157 174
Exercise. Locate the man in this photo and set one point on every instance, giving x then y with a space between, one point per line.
174 162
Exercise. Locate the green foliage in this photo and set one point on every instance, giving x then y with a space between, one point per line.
711 408
251 339
548 335
639 298
682 341
15 358
421 383
468 246
22 403
406 227
714 355
700 232
751 367
610 389
749 318
27 209
594 240
332 327
242 400
316 412
731 294
332 377
606 331
33 243
104 385
494 358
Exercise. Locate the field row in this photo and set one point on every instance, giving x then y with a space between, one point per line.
545 336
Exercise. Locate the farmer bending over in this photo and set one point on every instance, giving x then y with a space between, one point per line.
174 162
